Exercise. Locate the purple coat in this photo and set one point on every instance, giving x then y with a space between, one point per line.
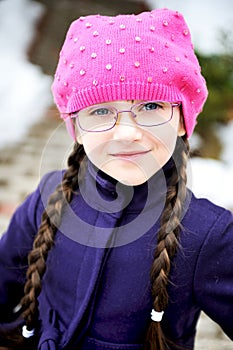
96 289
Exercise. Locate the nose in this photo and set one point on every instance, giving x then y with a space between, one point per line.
126 128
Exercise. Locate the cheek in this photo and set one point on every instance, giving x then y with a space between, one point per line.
164 137
89 141
94 145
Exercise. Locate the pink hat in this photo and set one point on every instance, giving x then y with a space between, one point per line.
148 56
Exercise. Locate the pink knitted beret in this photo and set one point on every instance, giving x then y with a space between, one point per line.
129 57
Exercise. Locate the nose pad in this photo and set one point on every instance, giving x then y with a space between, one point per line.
130 117
126 128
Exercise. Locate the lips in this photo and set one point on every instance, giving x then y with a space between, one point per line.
131 154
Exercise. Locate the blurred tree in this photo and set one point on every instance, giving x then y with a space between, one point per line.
218 71
59 14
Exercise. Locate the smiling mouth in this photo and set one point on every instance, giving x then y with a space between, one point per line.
129 155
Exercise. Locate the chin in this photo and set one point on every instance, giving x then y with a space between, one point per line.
133 178
134 182
130 173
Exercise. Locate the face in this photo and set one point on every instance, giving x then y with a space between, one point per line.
128 152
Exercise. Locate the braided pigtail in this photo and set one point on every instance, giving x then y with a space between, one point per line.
167 244
43 242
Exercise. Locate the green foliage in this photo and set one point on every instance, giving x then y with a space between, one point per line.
218 72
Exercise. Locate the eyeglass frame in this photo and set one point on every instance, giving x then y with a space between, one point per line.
74 115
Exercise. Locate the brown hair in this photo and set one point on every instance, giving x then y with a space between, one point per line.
44 240
167 243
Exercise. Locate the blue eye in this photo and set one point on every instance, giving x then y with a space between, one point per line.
101 111
151 106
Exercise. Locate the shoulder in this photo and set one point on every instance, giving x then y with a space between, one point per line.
212 282
204 224
201 214
49 183
29 212
207 234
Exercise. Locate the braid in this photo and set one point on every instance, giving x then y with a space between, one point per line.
167 241
166 248
43 243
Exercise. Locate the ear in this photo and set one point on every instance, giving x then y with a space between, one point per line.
78 134
181 128
74 132
70 128
79 137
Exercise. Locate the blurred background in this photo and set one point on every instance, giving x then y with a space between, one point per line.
33 139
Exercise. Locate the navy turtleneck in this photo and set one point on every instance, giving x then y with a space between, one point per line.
112 209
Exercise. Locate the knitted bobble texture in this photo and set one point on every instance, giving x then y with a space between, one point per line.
148 56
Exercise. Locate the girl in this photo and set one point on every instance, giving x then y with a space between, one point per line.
116 252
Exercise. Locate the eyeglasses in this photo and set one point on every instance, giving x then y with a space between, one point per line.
103 117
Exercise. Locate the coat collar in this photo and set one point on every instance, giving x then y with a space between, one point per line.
109 195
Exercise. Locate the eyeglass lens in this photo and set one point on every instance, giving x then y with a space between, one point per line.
104 117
